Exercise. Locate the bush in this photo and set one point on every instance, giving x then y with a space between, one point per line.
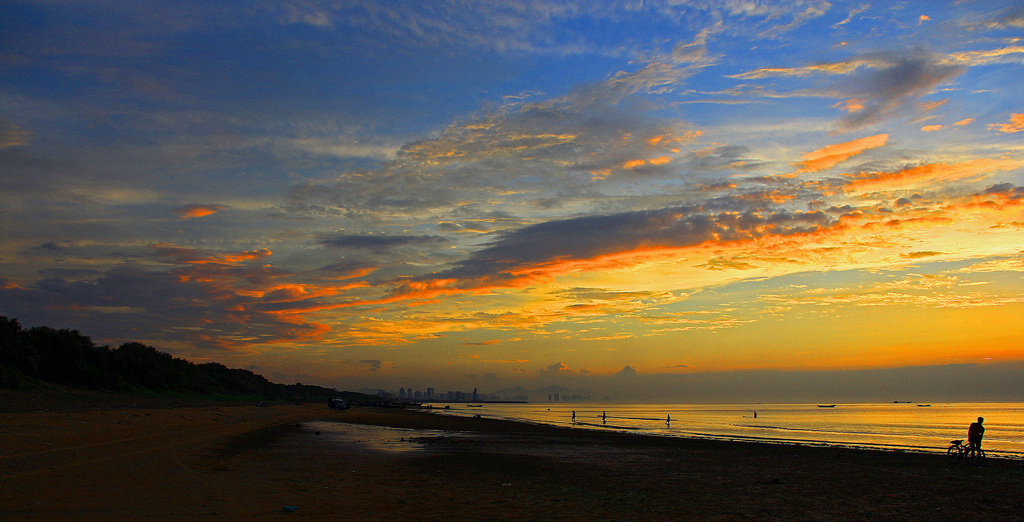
69 358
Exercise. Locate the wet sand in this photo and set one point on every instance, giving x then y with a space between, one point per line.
247 463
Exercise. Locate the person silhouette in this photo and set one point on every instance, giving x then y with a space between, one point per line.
975 434
574 415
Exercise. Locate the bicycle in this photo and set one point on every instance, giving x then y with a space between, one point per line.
959 451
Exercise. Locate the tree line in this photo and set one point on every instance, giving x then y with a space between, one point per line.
68 358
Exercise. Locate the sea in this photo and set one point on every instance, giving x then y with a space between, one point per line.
886 426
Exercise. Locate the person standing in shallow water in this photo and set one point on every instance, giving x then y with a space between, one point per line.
975 433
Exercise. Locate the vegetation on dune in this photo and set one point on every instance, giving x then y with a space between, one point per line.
66 357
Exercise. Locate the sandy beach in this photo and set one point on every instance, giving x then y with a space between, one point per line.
245 462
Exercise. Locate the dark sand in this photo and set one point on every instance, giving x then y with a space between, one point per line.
219 462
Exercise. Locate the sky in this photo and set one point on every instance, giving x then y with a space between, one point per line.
659 200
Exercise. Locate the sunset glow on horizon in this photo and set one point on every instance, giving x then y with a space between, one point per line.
492 195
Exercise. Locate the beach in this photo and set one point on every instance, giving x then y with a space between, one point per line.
249 462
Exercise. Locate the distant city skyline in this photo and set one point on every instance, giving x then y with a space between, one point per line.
517 394
657 201
939 384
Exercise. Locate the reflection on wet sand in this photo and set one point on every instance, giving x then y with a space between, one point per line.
376 438
343 436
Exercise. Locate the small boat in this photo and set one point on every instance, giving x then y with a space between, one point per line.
924 405
826 405
474 405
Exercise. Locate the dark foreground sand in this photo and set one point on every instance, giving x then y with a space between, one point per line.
217 462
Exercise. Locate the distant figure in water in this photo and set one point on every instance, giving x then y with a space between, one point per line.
755 414
668 419
975 434
604 417
574 415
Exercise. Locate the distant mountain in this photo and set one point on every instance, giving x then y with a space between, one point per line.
563 391
512 392
554 389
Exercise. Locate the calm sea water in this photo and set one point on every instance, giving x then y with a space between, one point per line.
908 427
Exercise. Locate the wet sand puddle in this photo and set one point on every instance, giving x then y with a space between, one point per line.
375 438
405 441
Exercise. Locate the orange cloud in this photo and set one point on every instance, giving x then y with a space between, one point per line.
1016 124
737 241
828 157
963 122
933 172
932 105
291 292
9 285
632 164
666 140
248 255
247 296
998 197
870 231
921 254
774 196
833 68
851 105
289 329
931 128
192 256
198 211
983 57
696 235
725 185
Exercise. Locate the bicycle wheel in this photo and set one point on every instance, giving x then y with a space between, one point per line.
954 453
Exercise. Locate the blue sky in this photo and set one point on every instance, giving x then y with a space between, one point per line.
499 193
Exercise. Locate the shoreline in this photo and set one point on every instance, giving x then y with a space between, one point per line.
240 462
490 424
852 433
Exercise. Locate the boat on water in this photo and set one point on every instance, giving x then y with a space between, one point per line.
826 405
924 405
